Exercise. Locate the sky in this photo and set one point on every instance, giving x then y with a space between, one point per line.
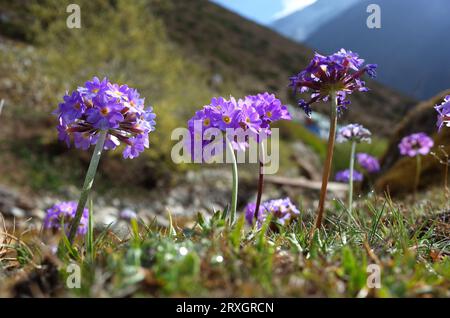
264 11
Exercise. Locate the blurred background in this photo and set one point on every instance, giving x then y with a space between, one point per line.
179 54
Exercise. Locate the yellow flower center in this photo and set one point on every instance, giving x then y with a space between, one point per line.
104 111
226 119
269 114
206 122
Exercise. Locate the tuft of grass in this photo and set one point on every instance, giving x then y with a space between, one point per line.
207 257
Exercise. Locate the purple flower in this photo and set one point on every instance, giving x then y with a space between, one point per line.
64 212
83 140
128 214
415 144
443 113
344 176
250 116
103 106
367 162
269 108
72 108
135 146
250 212
353 132
92 88
340 72
282 210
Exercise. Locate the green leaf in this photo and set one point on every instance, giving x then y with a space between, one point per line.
236 232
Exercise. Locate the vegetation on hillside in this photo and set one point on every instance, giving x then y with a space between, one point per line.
176 53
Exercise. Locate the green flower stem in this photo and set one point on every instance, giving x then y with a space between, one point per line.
327 163
235 183
418 170
446 179
87 186
260 180
350 182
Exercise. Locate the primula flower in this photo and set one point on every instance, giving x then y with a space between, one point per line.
65 212
415 144
353 132
103 106
344 176
367 162
253 114
249 117
282 210
269 108
128 214
443 113
340 72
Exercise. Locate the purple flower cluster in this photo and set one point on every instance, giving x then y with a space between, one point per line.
103 106
344 176
253 115
282 210
368 163
65 212
415 144
353 132
340 72
443 113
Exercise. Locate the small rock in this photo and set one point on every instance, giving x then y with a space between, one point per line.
18 212
14 204
38 213
105 215
115 202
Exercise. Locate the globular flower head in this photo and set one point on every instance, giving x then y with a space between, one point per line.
282 211
100 105
128 214
368 163
353 132
443 113
415 144
344 176
269 109
63 213
340 72
250 116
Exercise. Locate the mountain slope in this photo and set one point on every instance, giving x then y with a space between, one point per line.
257 58
302 23
410 46
178 54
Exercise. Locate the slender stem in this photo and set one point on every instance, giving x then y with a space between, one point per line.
260 180
235 183
350 182
418 170
87 186
327 163
446 178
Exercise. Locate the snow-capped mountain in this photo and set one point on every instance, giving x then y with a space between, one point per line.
301 24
